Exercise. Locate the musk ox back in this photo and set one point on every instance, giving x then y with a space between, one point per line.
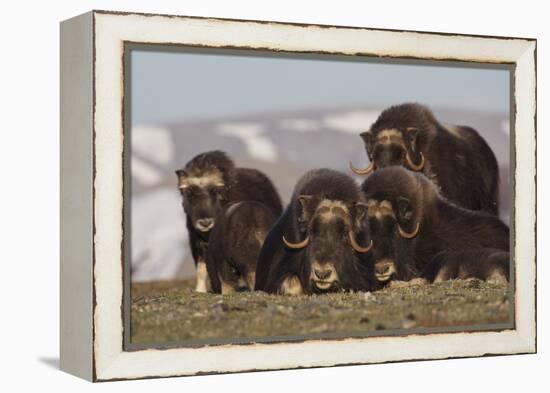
320 243
456 158
410 223
209 182
234 245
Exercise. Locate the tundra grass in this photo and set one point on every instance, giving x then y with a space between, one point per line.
169 311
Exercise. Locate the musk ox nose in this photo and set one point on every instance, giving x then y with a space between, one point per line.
204 224
323 274
386 158
384 270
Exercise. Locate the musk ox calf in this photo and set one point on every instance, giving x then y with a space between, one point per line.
234 245
320 243
209 182
456 158
411 224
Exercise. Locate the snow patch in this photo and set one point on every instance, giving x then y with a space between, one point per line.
257 144
159 236
505 126
353 122
144 172
300 125
154 143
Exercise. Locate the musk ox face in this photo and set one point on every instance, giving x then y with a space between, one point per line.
203 195
389 222
330 230
391 147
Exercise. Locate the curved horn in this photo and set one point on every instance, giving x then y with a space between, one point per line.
408 235
296 246
357 247
362 172
412 165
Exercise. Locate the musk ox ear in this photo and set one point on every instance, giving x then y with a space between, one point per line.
411 134
181 172
404 208
368 139
182 175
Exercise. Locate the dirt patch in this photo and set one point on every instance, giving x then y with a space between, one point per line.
168 311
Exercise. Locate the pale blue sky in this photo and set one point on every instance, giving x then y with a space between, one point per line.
169 86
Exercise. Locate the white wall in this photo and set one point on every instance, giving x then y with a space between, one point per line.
29 197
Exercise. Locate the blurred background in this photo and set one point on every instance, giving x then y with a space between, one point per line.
283 115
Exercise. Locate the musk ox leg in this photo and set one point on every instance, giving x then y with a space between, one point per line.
498 271
442 275
291 286
251 280
497 277
203 281
227 289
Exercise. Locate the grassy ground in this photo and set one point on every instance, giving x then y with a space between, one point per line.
170 311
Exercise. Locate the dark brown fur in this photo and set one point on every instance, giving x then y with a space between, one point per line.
484 264
234 245
457 158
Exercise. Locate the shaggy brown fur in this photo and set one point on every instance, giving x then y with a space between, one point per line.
410 223
456 158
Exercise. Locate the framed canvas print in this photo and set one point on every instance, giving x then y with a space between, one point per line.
245 195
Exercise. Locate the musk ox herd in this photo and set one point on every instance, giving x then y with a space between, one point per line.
427 211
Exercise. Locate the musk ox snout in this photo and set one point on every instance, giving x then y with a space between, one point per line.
204 224
323 275
384 270
385 156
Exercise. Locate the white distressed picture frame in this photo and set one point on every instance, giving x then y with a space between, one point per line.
92 203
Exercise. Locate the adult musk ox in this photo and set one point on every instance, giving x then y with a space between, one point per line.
234 245
411 224
209 182
456 158
320 243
